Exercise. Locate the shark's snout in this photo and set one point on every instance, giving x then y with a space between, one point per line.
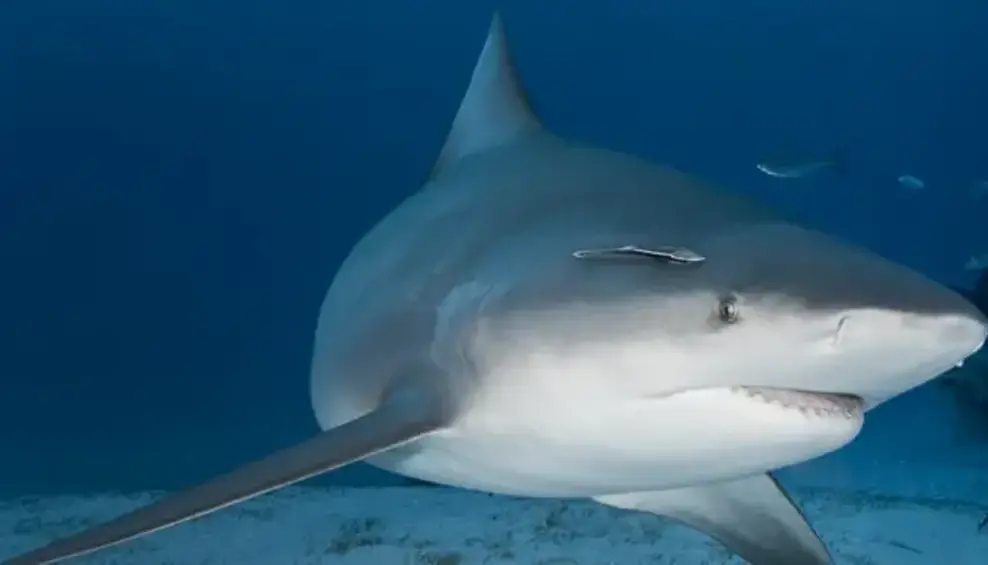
968 332
881 301
885 349
952 322
942 321
875 328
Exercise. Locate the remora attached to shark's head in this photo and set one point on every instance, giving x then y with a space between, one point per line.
548 318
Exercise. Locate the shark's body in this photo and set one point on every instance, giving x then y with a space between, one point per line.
551 319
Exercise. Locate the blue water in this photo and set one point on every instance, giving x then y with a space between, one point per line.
179 181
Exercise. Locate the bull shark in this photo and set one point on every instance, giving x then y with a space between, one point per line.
546 318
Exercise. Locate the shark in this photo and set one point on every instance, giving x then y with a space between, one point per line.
548 318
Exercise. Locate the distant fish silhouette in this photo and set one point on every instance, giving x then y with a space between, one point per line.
977 262
794 164
911 183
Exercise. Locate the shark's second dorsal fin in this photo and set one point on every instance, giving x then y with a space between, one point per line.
494 110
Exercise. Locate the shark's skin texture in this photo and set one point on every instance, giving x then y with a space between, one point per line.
483 336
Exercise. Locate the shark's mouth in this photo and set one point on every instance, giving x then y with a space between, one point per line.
820 403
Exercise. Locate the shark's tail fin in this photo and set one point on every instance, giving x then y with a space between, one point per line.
402 419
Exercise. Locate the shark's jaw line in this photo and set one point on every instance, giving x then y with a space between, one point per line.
809 402
812 403
628 444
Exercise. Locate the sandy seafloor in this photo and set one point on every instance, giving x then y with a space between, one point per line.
888 513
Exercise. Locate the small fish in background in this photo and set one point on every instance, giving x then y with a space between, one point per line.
795 161
797 168
912 183
977 263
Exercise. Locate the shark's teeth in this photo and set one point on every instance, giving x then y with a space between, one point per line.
810 403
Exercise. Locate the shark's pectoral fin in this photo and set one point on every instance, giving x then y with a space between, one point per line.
399 420
753 517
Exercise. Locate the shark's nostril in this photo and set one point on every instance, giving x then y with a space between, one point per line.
839 332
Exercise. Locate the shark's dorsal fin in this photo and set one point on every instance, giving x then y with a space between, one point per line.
495 110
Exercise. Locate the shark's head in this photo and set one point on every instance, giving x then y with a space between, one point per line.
758 344
814 313
773 307
777 306
771 347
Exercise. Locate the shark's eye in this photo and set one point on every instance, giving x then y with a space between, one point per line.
727 310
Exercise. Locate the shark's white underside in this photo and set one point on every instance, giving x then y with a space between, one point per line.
515 444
